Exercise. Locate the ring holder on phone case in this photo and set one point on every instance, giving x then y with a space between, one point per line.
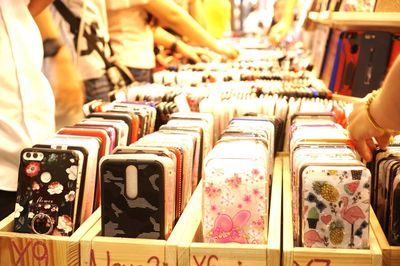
42 224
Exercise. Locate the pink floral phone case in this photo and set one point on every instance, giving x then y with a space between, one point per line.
236 193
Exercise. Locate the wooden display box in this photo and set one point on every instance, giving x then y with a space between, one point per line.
31 249
192 251
301 256
390 254
100 250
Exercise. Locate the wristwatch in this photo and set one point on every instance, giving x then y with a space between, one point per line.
51 46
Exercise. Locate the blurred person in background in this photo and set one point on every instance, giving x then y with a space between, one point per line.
132 24
61 72
27 100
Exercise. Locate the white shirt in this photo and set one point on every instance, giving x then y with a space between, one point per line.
92 12
130 34
26 98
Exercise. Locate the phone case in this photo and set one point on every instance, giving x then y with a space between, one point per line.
394 218
99 133
328 74
335 206
82 155
91 145
46 191
348 59
185 144
112 133
198 153
372 63
316 156
180 151
236 193
139 190
131 120
207 117
121 127
395 51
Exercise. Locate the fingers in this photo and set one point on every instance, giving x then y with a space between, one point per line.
364 150
196 58
383 141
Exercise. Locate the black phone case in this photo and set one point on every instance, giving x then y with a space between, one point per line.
46 192
140 217
82 180
372 62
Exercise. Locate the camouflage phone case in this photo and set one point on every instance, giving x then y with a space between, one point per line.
141 216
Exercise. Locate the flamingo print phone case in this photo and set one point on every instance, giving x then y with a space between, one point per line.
335 204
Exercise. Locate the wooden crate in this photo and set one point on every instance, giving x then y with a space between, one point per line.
300 256
31 249
100 250
390 254
192 251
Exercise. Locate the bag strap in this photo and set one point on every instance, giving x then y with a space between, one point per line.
74 23
92 43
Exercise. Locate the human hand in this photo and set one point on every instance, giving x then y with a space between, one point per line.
227 51
196 54
279 31
364 134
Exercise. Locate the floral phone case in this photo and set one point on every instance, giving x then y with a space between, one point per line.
236 193
88 184
46 191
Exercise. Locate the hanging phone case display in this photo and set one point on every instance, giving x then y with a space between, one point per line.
331 187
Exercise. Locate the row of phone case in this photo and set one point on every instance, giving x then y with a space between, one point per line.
236 185
58 183
150 182
359 60
196 78
330 185
386 191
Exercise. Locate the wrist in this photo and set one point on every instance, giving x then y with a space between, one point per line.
373 112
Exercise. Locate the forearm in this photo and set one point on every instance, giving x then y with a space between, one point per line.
196 10
163 37
173 16
46 26
385 108
37 6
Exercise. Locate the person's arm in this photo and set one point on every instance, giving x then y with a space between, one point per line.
62 75
37 6
385 108
196 10
377 117
166 39
172 15
279 31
